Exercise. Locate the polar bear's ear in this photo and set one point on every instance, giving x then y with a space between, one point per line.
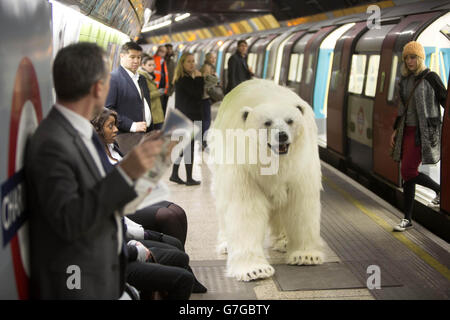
245 111
301 109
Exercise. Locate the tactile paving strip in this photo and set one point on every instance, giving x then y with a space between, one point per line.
212 274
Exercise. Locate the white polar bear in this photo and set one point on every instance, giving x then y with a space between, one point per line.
247 201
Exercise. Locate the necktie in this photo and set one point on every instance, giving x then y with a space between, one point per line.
107 166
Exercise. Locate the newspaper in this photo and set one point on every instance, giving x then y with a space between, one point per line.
149 188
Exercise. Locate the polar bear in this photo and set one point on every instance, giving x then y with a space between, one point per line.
248 201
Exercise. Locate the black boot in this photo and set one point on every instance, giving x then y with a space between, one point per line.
174 177
189 180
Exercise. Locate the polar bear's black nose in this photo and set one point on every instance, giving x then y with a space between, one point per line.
282 137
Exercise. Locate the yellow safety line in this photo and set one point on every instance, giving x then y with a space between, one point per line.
400 236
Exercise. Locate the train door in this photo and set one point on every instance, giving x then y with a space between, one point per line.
279 67
385 107
322 81
220 58
337 97
295 73
310 63
445 156
271 55
361 95
286 58
437 47
260 50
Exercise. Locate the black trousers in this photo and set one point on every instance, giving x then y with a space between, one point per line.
169 274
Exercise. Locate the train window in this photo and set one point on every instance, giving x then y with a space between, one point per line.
356 81
299 68
392 81
293 67
372 75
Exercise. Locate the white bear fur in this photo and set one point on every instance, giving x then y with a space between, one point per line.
248 203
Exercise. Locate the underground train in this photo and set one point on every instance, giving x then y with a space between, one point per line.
347 69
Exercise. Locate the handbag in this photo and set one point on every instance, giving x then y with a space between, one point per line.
216 93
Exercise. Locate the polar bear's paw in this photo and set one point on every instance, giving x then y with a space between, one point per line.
279 244
251 272
307 257
222 248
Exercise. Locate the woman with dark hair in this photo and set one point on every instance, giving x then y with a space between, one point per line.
165 217
147 69
161 227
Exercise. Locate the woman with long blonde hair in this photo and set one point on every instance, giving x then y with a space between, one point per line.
417 130
189 83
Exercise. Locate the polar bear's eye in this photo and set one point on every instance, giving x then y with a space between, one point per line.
268 123
289 121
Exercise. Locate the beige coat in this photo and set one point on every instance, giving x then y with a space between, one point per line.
155 100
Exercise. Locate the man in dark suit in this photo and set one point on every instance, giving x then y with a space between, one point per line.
128 94
238 70
74 198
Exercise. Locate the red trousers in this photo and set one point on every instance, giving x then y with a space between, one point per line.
411 154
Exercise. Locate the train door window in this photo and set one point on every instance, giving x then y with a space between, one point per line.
357 71
309 69
293 67
372 75
298 78
251 60
392 79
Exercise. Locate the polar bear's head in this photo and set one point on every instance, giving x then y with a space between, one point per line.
283 126
262 104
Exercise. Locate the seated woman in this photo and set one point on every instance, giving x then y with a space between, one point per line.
165 217
156 233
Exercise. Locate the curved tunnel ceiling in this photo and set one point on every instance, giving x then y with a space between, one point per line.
207 13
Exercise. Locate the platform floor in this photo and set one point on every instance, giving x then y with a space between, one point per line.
357 228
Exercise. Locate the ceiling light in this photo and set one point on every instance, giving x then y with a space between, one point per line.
182 17
157 26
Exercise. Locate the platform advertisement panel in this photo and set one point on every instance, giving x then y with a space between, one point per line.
25 98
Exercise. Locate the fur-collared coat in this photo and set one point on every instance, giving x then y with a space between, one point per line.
428 95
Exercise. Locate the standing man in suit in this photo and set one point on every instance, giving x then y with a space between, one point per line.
74 197
238 70
128 94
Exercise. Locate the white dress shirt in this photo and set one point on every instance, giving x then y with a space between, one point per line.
85 130
148 114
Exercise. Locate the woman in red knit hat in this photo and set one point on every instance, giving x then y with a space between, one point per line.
417 130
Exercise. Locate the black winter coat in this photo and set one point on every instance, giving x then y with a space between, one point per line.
188 96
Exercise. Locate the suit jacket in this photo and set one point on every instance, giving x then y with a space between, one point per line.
71 211
237 71
123 97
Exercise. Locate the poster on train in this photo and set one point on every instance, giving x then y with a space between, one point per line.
25 98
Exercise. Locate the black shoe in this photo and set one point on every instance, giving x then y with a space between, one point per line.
198 287
192 182
176 179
